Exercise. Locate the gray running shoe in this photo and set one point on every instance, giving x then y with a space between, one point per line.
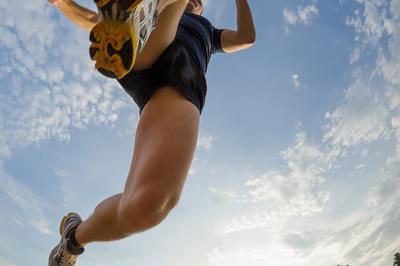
63 254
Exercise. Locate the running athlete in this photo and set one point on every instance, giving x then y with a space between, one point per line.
158 50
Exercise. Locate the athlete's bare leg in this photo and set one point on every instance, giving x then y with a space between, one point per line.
165 142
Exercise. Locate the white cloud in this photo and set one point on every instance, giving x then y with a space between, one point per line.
387 187
360 166
61 172
355 56
270 186
192 171
296 80
396 127
4 262
42 226
389 65
223 194
17 221
205 141
290 16
5 150
283 195
394 99
376 225
303 15
373 22
269 238
363 116
254 221
306 14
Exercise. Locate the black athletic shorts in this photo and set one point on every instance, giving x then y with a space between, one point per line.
175 67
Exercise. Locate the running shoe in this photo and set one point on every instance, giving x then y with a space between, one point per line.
122 31
64 254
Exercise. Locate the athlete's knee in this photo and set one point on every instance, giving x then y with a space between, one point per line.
147 208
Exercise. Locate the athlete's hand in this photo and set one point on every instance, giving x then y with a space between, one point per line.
59 2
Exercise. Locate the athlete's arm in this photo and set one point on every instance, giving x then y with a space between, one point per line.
83 17
245 35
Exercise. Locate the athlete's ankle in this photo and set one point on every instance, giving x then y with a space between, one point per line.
73 241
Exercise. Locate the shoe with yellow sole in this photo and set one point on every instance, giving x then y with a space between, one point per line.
122 31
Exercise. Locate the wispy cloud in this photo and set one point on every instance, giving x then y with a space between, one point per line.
205 141
27 201
4 262
17 221
223 194
363 116
303 15
282 195
61 172
296 81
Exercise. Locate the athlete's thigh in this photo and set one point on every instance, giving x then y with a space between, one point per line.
162 36
165 143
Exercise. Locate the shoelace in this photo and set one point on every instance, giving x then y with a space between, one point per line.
146 23
65 258
68 261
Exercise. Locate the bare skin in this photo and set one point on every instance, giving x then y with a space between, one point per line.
166 135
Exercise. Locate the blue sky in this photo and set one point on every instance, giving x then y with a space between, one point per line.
297 161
